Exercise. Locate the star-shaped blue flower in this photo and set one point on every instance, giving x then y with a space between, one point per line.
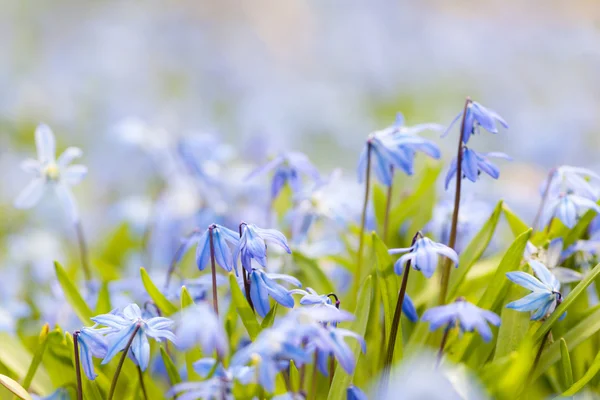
545 291
567 207
477 116
473 163
221 237
424 255
253 245
91 342
263 286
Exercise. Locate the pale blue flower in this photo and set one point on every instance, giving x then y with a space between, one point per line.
473 163
552 256
58 394
567 207
423 255
545 291
253 245
463 314
391 149
337 347
91 342
215 388
51 173
209 334
123 324
354 393
288 168
221 237
477 116
263 286
568 179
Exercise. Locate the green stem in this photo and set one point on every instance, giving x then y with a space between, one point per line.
213 270
446 268
538 214
442 346
537 357
113 385
83 251
313 383
176 257
77 365
363 220
388 206
142 385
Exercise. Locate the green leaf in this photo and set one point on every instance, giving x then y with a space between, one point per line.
560 310
389 286
473 252
186 298
574 337
72 295
103 305
16 358
311 274
243 308
14 387
567 369
516 224
585 379
513 325
341 379
579 229
165 306
37 357
267 322
510 262
172 371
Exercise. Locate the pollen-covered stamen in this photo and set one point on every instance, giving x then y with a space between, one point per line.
51 172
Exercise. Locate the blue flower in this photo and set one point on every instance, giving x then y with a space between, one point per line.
545 291
423 256
263 285
551 258
287 168
390 149
567 207
91 343
463 314
354 393
473 164
122 325
209 334
337 347
50 172
58 394
221 236
253 245
568 179
477 115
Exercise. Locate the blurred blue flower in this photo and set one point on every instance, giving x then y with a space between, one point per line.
263 285
354 393
58 394
287 168
473 163
545 291
567 207
253 245
51 173
464 314
477 115
91 342
123 324
390 149
551 258
213 388
568 179
209 334
338 348
221 237
423 256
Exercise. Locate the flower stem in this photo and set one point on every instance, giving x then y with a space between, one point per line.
83 251
388 207
142 385
452 241
77 365
537 357
113 385
313 383
213 269
363 219
395 325
442 346
538 214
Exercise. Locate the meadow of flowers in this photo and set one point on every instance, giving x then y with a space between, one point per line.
289 284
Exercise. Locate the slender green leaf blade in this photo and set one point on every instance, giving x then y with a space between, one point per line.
14 387
311 274
186 298
172 371
15 357
243 308
267 322
567 369
516 224
585 379
82 310
513 326
165 306
37 357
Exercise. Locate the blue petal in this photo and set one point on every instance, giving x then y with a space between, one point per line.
45 143
531 302
259 294
527 281
408 308
203 251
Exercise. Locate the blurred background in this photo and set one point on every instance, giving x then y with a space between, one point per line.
124 80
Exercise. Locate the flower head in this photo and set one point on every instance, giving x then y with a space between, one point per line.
545 291
477 116
423 255
551 258
473 163
50 172
221 236
464 314
568 179
287 167
567 207
263 286
253 244
91 343
209 333
393 148
122 325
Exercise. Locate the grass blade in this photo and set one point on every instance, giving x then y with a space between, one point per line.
165 306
